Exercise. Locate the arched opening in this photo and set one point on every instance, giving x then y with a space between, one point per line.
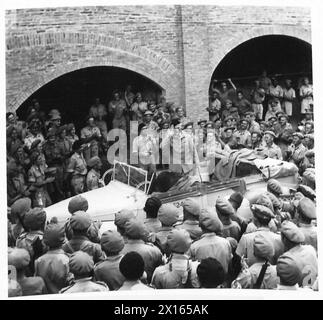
281 56
73 93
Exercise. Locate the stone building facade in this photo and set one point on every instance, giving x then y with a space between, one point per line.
178 46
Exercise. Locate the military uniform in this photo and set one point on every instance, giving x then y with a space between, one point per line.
30 138
298 153
192 227
77 166
212 246
150 253
86 133
270 280
36 174
272 151
82 243
54 158
85 285
179 272
92 180
152 224
306 259
53 268
245 245
108 272
135 285
310 233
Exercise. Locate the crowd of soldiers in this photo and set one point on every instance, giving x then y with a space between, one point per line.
272 247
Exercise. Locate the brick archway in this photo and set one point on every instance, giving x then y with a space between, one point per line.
47 56
301 33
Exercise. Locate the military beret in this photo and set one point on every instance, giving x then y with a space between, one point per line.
152 204
274 186
210 124
307 191
306 207
168 214
94 161
191 206
271 133
178 240
122 217
20 207
19 258
288 270
237 198
265 201
135 229
224 207
277 204
298 134
271 118
81 263
262 212
54 235
112 241
78 203
292 232
80 220
35 144
210 221
34 218
263 246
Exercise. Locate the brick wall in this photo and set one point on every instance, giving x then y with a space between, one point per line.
178 47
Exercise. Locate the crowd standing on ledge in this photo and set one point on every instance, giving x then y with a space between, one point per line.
214 247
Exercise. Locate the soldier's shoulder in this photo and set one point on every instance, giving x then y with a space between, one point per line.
101 283
66 288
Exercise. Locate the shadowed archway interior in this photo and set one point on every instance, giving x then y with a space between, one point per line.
279 55
74 92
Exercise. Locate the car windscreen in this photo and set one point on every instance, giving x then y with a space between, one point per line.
129 175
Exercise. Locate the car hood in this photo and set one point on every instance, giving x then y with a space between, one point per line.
103 202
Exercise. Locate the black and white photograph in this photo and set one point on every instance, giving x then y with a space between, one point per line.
160 146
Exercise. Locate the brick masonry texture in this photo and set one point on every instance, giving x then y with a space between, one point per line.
178 47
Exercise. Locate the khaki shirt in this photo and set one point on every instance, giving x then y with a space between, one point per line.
212 246
273 152
245 245
152 224
31 286
135 285
150 253
77 165
310 233
179 272
192 227
85 285
107 271
84 244
53 267
306 258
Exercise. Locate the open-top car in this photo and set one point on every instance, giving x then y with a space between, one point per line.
128 187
